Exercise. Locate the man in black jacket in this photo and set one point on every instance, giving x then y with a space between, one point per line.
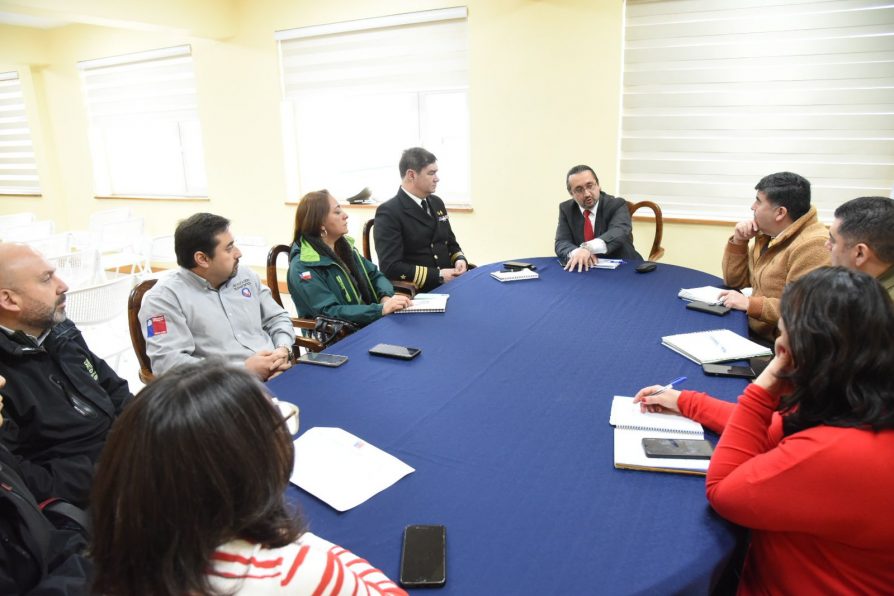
414 240
61 399
592 223
36 556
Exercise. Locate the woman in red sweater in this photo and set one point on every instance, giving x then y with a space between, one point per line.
806 457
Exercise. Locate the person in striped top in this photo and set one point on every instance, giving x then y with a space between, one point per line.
189 498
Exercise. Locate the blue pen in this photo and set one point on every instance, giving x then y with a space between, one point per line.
670 385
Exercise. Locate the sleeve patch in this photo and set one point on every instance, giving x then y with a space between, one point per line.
305 275
156 326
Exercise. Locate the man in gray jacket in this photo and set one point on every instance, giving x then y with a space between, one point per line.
211 306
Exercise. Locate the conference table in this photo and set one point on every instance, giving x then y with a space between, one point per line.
504 416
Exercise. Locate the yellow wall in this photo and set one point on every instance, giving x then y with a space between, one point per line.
544 95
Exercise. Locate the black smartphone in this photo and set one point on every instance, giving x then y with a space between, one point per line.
322 359
725 370
518 266
423 560
714 309
392 351
678 448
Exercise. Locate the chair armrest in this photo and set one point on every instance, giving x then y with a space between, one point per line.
404 287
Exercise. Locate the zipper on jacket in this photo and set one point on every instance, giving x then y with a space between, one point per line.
80 406
366 274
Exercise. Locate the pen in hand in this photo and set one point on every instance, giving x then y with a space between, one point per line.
669 385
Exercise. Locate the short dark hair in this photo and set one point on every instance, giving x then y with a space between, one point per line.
839 324
197 233
415 158
578 170
869 220
200 457
789 190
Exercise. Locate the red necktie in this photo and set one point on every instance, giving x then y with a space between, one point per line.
588 227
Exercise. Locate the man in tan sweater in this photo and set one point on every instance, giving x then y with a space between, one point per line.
789 241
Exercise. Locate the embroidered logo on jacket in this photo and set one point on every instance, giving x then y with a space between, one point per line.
156 326
90 370
246 292
305 275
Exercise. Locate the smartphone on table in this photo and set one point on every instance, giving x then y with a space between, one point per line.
392 351
423 559
322 359
726 370
714 309
678 448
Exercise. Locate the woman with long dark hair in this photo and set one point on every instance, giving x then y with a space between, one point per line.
806 457
188 497
327 276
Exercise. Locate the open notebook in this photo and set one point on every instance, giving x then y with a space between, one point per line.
720 345
632 426
706 294
427 303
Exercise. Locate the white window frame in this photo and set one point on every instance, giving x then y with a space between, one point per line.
18 166
145 135
719 93
356 94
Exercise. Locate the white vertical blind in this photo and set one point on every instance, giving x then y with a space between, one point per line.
358 93
18 168
144 129
719 93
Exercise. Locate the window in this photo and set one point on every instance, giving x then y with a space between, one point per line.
719 93
357 94
18 169
144 130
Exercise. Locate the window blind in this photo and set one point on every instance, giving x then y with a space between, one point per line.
144 128
357 93
719 93
18 168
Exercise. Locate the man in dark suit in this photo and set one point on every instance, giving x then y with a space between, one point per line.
412 231
592 223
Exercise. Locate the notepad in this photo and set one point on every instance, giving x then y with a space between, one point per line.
632 426
427 303
607 264
706 294
504 276
720 345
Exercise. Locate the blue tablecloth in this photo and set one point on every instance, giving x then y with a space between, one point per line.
504 415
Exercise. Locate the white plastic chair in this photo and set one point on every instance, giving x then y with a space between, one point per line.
123 244
107 216
29 231
79 269
15 219
52 246
100 312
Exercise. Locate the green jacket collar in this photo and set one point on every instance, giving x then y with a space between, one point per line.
311 256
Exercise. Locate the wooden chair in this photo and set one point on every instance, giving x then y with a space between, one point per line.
404 287
308 343
134 301
657 251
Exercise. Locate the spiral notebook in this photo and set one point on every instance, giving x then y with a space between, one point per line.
503 276
632 426
427 303
719 345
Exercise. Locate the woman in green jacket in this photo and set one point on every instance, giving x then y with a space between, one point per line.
327 276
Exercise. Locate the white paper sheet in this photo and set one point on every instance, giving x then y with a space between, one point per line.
341 469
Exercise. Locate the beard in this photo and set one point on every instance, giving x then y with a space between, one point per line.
41 316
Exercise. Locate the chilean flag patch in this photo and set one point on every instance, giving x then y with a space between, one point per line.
156 326
305 275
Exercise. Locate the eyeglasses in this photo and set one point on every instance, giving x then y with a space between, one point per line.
579 190
289 416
